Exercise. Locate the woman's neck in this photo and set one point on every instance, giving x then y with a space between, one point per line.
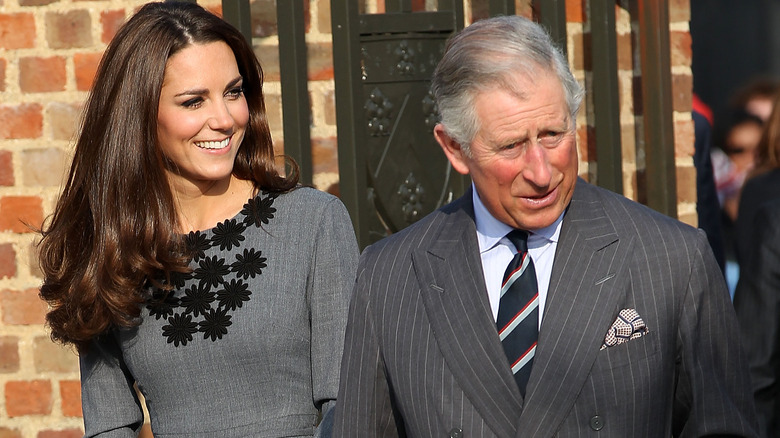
201 208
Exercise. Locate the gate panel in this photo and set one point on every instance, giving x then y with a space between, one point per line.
392 172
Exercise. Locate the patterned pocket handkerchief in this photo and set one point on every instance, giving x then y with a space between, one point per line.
628 325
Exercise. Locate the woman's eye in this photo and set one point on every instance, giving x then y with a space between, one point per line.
192 103
235 93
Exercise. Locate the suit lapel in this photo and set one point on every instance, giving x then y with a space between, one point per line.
586 285
456 302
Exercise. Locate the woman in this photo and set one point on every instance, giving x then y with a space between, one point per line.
762 185
179 261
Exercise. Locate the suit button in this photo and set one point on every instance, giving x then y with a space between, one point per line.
456 433
596 423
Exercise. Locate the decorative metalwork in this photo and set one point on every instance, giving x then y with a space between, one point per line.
405 56
430 110
412 196
378 110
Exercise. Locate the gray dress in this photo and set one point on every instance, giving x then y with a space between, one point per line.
250 342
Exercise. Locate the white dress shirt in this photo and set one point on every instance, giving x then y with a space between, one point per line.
496 251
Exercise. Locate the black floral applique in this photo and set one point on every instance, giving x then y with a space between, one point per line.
233 295
180 329
215 324
162 303
211 271
228 234
197 300
248 264
258 210
215 288
197 244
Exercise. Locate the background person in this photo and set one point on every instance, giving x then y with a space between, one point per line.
179 261
615 321
757 303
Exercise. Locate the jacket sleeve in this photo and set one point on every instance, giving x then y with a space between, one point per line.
329 287
712 396
365 407
757 303
109 402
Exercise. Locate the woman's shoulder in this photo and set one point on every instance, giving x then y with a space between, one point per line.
304 198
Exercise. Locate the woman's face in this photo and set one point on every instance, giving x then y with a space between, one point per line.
202 116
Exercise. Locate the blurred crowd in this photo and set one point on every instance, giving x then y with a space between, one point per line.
737 156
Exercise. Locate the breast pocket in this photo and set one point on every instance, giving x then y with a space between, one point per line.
633 351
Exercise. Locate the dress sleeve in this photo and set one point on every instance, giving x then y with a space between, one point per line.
330 285
108 399
712 396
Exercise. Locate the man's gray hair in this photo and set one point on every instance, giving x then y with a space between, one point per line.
490 53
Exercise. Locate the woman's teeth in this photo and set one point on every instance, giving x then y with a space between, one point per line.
213 144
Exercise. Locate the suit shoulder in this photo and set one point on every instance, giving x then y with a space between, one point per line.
625 213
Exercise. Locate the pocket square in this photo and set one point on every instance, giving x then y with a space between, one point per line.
628 325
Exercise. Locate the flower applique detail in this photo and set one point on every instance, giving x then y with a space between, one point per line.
204 300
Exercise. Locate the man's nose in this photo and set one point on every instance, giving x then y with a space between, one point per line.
537 165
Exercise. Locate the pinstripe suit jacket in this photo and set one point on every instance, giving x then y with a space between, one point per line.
422 357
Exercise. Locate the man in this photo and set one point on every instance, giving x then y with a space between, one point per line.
624 327
757 302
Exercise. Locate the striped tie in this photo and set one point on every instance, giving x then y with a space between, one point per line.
518 311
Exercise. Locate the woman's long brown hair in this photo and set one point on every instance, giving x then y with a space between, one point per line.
768 149
115 225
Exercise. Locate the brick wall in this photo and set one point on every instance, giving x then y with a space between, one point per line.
49 51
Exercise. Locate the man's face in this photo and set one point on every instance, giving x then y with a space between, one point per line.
523 160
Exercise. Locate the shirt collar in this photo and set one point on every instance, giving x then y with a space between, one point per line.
490 230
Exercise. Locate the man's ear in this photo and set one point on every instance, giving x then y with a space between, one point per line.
451 149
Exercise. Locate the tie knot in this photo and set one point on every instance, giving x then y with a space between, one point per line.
519 238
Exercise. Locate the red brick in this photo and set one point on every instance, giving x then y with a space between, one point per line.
66 433
67 30
19 213
320 66
86 65
22 307
43 167
329 108
263 19
625 56
70 392
680 48
273 111
32 262
323 16
324 155
111 21
32 397
21 121
9 355
686 184
7 260
17 31
575 11
36 2
6 168
2 74
64 120
682 92
679 11
269 58
51 357
40 75
9 433
683 138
